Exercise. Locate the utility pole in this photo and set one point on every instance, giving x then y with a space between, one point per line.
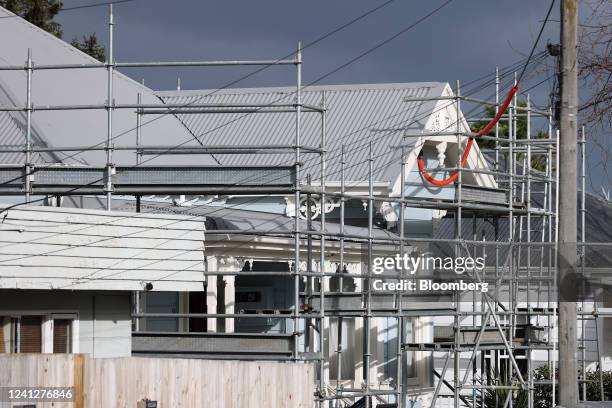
567 255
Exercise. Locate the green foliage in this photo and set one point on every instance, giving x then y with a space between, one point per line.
38 12
542 393
593 390
495 398
91 46
538 162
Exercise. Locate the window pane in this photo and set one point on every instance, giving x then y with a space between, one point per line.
30 334
62 335
162 302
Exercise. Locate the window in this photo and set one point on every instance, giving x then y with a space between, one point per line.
348 349
21 334
30 334
408 361
37 333
62 336
161 302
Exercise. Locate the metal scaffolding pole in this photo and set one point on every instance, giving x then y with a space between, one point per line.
367 285
458 236
530 392
582 265
109 116
341 268
28 143
298 164
400 322
496 167
138 142
322 289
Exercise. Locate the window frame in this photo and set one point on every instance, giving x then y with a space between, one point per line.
47 317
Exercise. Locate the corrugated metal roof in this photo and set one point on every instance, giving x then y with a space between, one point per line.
357 115
12 136
77 87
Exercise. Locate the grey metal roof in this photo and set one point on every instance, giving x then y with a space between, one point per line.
75 87
12 136
357 115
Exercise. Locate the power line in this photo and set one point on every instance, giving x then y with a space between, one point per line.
106 3
535 43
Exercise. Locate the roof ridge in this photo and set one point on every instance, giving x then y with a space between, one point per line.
313 88
69 47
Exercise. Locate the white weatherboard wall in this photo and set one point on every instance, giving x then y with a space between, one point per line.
60 248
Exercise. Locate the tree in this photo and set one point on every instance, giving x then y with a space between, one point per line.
543 392
38 12
538 162
91 46
595 63
42 12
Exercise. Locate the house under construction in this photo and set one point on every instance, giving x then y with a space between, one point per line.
278 209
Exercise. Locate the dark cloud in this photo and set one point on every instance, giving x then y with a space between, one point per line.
464 40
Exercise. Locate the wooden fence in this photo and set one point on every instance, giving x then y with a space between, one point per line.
173 383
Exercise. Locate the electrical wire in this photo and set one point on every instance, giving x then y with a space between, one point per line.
502 109
535 43
106 3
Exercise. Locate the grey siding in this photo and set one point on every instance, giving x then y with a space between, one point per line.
104 317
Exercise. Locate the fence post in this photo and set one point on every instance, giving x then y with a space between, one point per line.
79 380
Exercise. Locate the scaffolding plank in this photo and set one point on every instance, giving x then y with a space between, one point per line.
246 345
131 180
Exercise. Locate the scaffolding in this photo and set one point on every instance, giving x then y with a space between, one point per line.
493 336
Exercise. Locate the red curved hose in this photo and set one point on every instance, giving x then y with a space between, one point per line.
466 152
